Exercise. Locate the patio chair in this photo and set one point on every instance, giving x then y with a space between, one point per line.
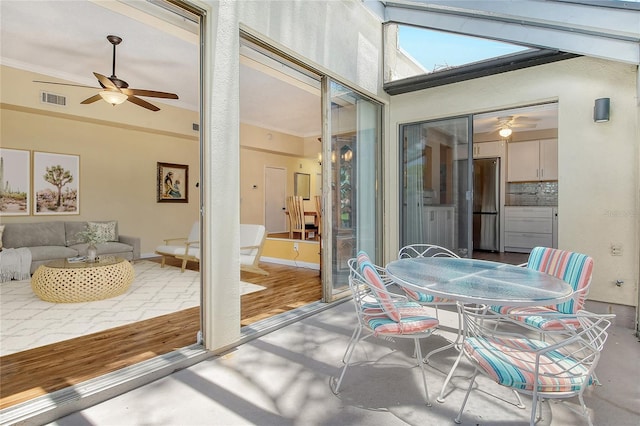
430 250
574 268
560 366
384 314
184 248
426 250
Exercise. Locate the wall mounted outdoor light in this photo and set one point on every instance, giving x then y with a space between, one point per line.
601 110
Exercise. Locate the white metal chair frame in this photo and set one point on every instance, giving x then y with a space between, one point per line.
432 250
365 297
560 366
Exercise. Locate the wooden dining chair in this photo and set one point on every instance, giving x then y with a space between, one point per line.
297 222
318 200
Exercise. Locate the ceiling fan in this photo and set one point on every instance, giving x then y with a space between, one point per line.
506 124
115 91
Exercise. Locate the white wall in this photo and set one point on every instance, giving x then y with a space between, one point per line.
598 183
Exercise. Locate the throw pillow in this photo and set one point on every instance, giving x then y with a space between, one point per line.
106 231
1 231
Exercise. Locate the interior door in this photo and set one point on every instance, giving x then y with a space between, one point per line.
275 191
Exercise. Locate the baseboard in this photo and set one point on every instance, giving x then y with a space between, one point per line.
287 262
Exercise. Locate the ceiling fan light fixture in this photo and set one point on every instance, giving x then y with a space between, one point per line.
113 97
505 132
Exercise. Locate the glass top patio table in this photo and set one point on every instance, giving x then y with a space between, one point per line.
479 281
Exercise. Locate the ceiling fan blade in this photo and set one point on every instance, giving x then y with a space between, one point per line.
105 81
92 99
149 93
65 84
142 103
526 119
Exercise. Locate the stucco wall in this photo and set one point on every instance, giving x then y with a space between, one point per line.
598 162
342 37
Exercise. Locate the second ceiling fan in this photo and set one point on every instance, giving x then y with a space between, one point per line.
116 91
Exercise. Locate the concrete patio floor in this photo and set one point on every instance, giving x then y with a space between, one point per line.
282 378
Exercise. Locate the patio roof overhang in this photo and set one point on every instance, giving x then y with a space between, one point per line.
608 30
475 70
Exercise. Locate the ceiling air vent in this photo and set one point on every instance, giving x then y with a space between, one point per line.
53 99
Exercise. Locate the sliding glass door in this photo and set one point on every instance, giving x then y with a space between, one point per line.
435 184
353 200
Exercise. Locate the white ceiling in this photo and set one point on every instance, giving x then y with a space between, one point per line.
67 40
537 117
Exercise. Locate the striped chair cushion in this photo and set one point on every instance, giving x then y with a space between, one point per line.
425 298
513 365
574 268
529 316
418 323
376 308
369 273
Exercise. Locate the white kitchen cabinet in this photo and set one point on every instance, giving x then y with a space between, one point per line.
549 159
482 150
532 160
528 227
488 149
438 225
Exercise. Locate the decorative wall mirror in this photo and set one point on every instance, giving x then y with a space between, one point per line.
302 185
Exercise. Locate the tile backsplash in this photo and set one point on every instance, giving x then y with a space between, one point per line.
532 194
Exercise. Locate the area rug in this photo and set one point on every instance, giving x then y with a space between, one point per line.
27 322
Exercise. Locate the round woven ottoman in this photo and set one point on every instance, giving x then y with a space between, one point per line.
61 281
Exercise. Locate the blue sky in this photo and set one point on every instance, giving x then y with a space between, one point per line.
434 49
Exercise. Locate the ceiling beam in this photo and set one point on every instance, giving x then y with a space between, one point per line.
608 30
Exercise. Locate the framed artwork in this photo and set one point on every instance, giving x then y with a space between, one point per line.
56 184
15 179
302 185
173 183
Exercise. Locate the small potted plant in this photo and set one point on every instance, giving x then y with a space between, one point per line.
92 238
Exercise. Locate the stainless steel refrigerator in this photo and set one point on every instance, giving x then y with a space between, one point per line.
486 204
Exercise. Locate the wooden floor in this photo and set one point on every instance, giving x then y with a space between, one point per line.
36 372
